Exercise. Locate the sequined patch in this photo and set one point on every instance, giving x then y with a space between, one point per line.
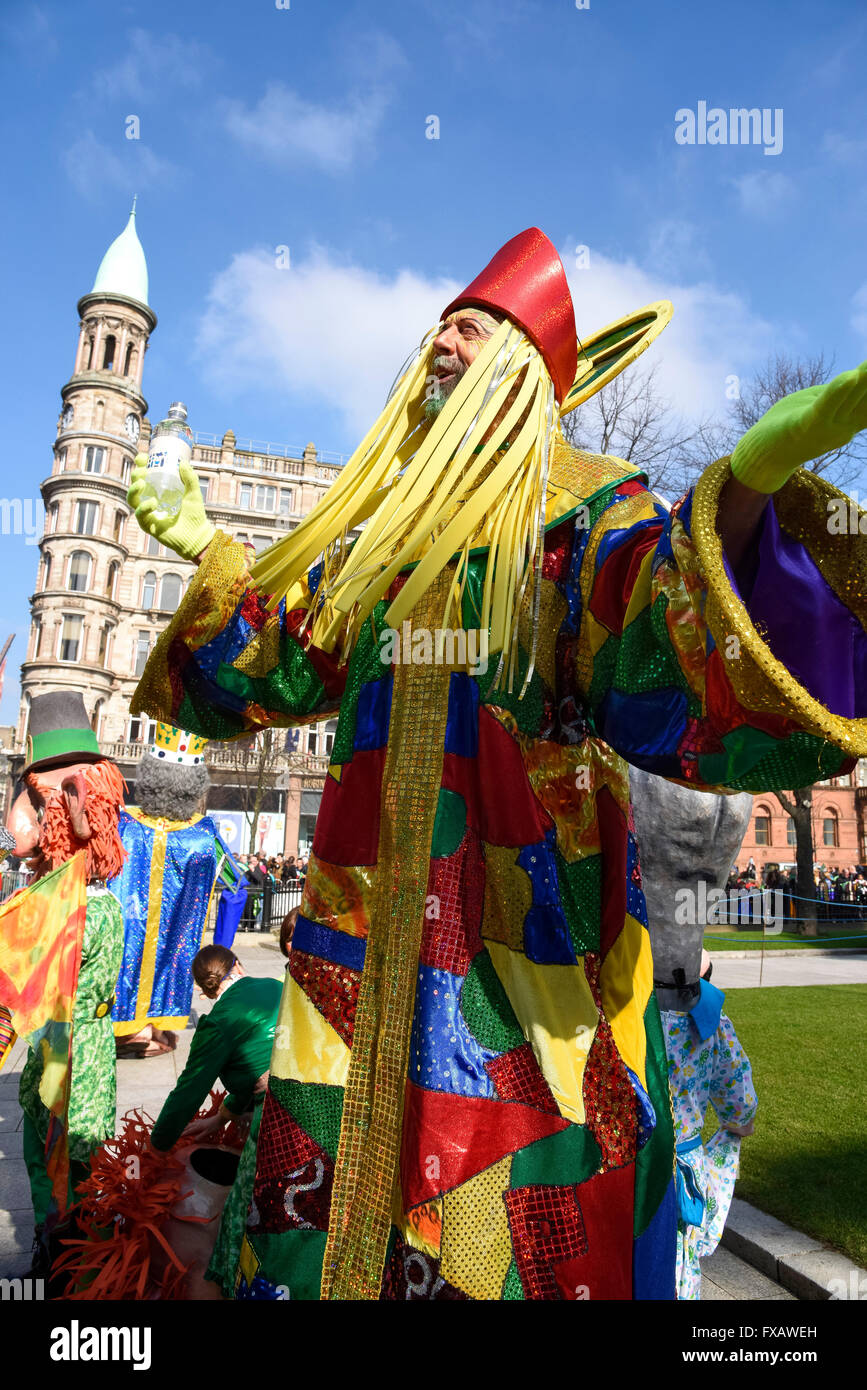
508 897
547 1229
411 1276
476 1249
516 1076
294 1176
453 913
332 988
610 1102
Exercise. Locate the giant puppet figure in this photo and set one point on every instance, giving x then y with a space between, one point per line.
69 803
686 838
165 889
468 1094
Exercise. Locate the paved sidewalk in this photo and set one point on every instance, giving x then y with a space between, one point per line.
787 970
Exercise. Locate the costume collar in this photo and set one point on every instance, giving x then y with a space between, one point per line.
705 1013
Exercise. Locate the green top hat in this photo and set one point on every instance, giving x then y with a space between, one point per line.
59 732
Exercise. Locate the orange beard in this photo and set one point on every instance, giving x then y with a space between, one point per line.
58 841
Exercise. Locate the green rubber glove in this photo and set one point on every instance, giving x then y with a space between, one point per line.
799 428
188 533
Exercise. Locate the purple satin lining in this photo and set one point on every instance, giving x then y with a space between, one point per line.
807 627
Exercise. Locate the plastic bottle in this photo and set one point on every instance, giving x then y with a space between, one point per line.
171 445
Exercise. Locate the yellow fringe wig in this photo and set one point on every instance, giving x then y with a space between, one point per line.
428 493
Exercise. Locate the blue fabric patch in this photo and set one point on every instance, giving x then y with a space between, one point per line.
570 588
646 1112
313 577
260 1288
226 646
654 1253
443 1054
462 724
663 549
546 932
635 904
203 688
685 515
705 1014
336 946
373 714
645 729
612 540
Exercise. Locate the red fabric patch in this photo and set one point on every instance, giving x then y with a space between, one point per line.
326 664
331 988
614 583
547 1230
631 488
500 802
253 610
558 551
454 937
294 1176
610 1103
604 1268
517 1077
410 1276
613 837
346 833
725 713
447 1139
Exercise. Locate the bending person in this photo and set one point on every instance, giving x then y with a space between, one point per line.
231 1044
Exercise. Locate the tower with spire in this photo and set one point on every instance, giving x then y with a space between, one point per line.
78 635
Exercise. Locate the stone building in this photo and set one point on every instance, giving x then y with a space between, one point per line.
104 590
839 825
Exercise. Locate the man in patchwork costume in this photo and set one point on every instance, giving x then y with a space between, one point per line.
468 1095
165 891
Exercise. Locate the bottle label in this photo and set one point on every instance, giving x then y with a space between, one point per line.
169 454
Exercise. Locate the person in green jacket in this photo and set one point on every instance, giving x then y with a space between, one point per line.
231 1044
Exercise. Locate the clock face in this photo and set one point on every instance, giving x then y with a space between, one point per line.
66 417
132 427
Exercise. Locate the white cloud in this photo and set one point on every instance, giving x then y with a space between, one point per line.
859 308
288 130
841 149
150 64
338 333
29 30
765 194
92 166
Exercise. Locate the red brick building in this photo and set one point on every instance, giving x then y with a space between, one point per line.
839 825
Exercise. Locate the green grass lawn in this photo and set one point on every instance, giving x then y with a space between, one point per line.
727 939
806 1162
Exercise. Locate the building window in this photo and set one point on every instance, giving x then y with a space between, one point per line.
108 355
79 572
127 366
245 496
286 498
94 459
154 549
205 485
90 343
46 569
330 731
37 637
763 830
126 470
149 590
96 716
111 586
170 592
104 632
242 538
312 739
86 514
266 498
142 651
141 729
831 830
53 514
61 460
119 522
261 543
70 637
791 834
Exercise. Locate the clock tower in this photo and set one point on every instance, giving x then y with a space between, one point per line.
78 606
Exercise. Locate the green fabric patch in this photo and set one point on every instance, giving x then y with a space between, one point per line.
604 666
654 1165
317 1109
486 1008
581 899
205 719
512 1287
364 665
450 823
646 659
292 687
771 764
570 1156
294 1259
527 712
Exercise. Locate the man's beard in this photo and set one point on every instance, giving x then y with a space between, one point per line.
442 390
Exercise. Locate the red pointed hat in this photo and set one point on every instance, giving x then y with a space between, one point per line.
526 281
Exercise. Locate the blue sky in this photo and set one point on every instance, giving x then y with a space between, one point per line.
306 128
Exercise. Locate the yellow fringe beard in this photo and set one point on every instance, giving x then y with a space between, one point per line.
427 493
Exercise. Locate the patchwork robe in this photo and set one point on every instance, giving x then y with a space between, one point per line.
468 1095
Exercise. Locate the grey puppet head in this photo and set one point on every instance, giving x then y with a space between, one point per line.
173 790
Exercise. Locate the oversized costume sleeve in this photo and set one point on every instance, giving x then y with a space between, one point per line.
687 678
210 1050
227 665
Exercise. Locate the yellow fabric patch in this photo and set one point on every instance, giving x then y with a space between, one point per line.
508 897
552 610
262 653
306 1047
476 1250
596 634
555 1008
625 983
566 780
640 596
